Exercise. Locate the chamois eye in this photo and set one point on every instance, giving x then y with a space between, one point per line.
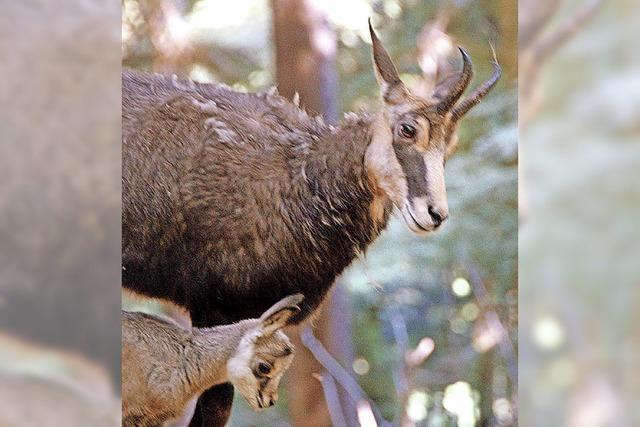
264 368
407 131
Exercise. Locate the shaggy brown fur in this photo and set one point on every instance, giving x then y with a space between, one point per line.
232 200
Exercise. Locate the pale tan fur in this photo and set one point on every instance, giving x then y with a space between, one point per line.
164 366
382 165
173 311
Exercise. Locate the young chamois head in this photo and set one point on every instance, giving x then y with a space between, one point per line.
264 354
413 136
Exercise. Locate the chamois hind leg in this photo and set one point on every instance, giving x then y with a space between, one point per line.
214 407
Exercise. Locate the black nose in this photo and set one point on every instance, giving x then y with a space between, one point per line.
271 402
436 216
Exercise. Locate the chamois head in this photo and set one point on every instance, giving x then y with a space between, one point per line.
264 353
413 136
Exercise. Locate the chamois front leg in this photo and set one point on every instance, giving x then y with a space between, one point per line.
214 407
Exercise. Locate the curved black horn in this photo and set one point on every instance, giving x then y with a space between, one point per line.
460 86
477 95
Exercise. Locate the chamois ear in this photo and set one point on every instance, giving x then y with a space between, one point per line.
392 89
278 316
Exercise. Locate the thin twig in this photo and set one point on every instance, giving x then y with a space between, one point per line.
408 363
537 52
365 414
403 390
338 372
332 399
399 328
546 46
537 16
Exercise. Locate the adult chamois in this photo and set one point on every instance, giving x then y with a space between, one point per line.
232 201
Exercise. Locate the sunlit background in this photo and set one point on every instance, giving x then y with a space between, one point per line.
450 299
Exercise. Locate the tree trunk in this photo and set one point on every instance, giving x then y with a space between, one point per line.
305 55
305 64
174 53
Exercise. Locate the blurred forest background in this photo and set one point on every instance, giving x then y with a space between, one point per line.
579 103
426 326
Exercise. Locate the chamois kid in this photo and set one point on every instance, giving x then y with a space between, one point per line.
233 200
165 366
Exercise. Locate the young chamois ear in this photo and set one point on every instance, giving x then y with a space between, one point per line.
278 316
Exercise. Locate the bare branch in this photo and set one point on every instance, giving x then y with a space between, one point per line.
339 373
408 362
547 46
365 414
332 399
534 16
536 52
165 26
399 328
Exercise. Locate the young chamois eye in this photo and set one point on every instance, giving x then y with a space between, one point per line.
407 131
264 369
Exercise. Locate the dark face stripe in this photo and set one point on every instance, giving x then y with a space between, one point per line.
412 164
